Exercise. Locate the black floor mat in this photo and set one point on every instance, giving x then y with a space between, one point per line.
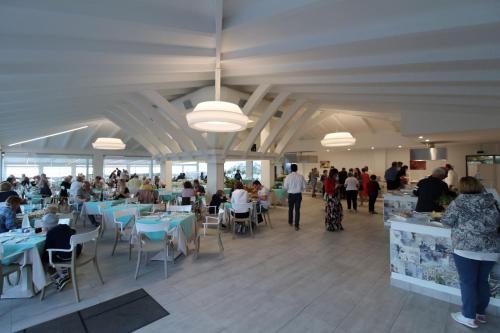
118 315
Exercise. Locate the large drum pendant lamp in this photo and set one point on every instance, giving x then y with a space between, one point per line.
338 139
217 116
108 144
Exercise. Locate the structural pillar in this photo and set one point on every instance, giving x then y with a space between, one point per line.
215 175
98 164
249 169
166 174
267 173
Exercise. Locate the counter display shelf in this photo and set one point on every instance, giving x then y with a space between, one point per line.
396 203
422 261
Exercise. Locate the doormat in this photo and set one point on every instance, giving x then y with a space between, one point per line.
125 313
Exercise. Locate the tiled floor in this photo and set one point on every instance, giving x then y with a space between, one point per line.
280 281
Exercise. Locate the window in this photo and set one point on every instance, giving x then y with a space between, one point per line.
56 171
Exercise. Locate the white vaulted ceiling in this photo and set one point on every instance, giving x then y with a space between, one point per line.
364 66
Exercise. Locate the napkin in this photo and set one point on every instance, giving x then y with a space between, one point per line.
26 222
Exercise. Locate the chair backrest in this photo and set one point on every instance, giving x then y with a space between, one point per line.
147 196
150 227
242 207
180 208
84 237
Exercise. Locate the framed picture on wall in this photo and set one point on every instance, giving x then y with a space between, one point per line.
324 164
418 165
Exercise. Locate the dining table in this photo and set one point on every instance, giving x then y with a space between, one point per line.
180 226
23 249
279 195
108 217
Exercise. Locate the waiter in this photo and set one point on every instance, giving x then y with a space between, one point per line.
295 184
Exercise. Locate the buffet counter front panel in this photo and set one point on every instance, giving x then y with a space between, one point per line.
421 260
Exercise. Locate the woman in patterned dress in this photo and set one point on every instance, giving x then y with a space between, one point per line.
333 208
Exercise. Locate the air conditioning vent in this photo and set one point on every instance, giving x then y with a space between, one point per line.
187 104
242 102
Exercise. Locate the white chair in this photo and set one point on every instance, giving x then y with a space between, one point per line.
147 245
180 208
246 207
213 221
7 270
211 212
265 215
124 219
85 258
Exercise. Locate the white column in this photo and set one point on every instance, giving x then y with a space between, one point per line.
98 164
267 173
215 175
166 174
249 169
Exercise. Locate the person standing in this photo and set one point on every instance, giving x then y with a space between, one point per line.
390 177
351 186
322 180
333 208
372 189
364 180
237 176
474 219
314 181
452 178
342 177
429 190
295 184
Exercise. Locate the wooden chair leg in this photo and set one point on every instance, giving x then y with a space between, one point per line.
139 254
251 228
268 219
221 247
234 229
197 247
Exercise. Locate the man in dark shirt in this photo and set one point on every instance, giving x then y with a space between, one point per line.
6 191
390 176
429 190
342 178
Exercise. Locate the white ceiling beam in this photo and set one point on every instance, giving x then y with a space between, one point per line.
129 128
154 127
248 108
339 122
87 140
295 128
138 121
177 138
285 119
176 116
263 120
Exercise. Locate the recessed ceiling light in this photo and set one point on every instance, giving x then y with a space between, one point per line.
420 137
400 146
328 150
427 140
349 149
373 148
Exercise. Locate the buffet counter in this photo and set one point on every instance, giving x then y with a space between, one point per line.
421 260
398 203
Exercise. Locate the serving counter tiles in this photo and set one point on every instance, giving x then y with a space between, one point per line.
422 261
397 204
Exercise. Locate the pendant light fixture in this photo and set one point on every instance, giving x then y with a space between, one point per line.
108 144
217 116
338 139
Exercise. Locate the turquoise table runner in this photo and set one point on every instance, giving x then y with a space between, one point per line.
16 243
185 221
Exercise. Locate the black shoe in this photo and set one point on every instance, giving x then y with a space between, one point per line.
297 228
290 224
62 282
341 228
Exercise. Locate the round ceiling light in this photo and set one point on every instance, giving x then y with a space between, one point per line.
108 144
338 139
216 116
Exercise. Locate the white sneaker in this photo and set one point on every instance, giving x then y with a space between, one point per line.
460 318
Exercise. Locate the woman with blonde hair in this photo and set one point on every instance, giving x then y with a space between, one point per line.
474 219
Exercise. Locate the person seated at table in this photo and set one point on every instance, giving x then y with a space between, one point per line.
6 191
198 188
44 186
187 193
157 183
8 213
65 186
98 183
58 238
146 185
238 197
50 219
218 198
122 191
75 186
84 195
263 195
25 182
181 176
134 184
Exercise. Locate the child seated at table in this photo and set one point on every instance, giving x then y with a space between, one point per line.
217 199
58 238
50 219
